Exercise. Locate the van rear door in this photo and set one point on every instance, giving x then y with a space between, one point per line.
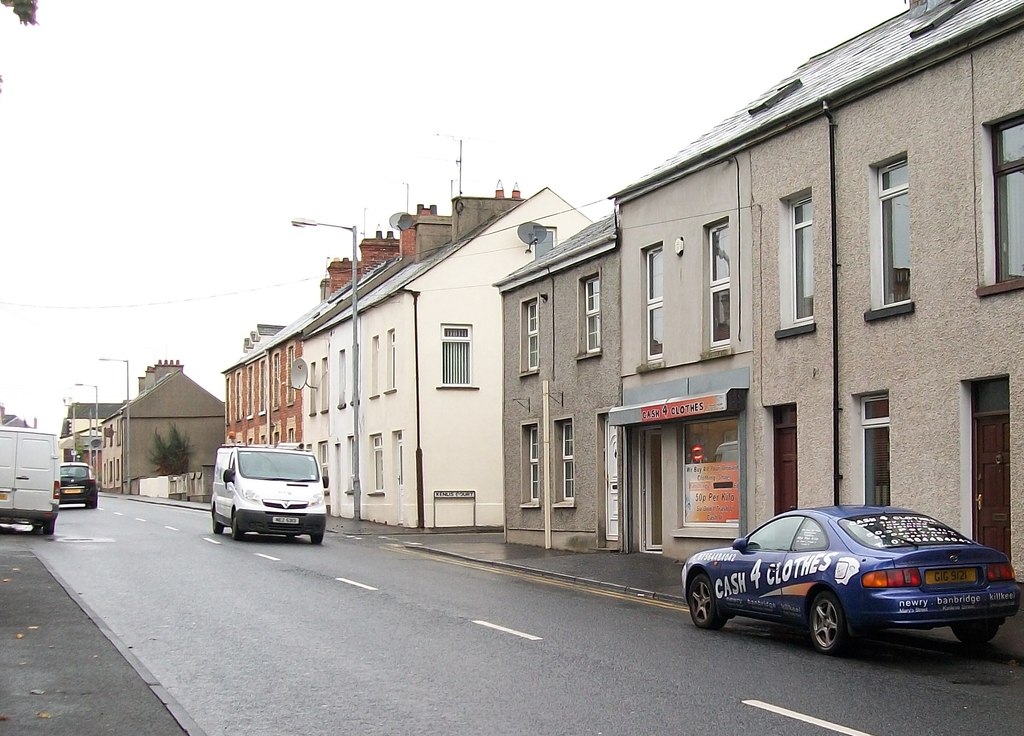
35 471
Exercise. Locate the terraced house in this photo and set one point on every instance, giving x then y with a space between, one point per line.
821 297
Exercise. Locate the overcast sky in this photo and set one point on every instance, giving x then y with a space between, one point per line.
153 153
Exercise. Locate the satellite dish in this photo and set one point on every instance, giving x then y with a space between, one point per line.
531 233
395 220
300 372
95 443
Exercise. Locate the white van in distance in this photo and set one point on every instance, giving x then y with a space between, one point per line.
29 478
268 490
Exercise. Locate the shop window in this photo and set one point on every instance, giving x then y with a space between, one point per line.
711 479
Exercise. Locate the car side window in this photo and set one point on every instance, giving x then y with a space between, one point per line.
810 537
776 535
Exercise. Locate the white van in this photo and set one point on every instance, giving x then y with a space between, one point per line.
269 490
29 478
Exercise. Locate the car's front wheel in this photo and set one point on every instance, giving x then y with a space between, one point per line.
828 624
703 607
974 633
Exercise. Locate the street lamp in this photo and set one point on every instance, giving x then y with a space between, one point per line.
356 485
126 447
96 419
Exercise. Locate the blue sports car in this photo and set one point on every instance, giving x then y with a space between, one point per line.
842 571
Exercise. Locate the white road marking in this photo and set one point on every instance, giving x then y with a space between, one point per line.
353 582
138 519
806 719
531 637
211 541
118 513
267 557
172 528
414 544
351 537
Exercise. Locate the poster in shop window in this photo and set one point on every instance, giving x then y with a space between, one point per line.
712 493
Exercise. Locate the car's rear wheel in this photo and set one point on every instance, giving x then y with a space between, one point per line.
317 538
703 607
974 633
92 502
236 531
828 624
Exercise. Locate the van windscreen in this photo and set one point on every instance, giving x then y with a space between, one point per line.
278 466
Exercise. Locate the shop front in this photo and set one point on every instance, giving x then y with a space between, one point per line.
684 463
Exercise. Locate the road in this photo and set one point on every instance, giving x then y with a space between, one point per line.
370 636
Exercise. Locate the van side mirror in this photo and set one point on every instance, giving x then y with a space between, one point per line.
229 475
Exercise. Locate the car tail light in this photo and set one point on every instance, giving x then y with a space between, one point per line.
1001 571
56 490
904 577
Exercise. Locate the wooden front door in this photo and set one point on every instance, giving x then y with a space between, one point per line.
992 464
785 458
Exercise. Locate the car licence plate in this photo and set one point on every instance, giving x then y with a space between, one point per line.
72 491
284 519
950 575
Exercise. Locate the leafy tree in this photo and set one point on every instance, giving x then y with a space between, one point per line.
24 9
171 456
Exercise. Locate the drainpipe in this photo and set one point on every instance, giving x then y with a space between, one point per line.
420 522
836 475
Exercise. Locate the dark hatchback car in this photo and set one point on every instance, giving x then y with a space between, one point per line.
78 485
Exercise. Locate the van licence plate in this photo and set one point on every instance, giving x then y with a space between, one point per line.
284 519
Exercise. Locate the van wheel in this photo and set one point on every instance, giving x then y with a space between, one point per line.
317 538
48 527
236 533
218 528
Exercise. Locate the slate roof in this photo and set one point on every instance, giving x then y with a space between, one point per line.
901 43
586 242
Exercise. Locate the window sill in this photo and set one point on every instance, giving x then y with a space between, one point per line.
564 505
350 492
324 411
588 356
1001 288
389 391
651 365
371 397
873 315
530 372
263 413
530 505
705 532
717 351
313 413
458 388
249 417
796 330
375 493
342 405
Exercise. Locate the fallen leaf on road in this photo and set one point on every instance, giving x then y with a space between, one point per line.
5 580
32 628
19 635
43 714
37 692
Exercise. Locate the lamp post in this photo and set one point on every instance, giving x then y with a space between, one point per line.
126 446
95 418
356 485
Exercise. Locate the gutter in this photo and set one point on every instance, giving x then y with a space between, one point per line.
836 475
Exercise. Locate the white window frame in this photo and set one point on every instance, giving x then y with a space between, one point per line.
321 451
290 360
592 314
791 231
654 298
314 388
531 332
377 441
449 337
342 376
392 362
717 283
566 438
325 385
1003 171
866 425
531 463
883 195
375 366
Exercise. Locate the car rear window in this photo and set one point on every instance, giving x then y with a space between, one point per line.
884 531
74 472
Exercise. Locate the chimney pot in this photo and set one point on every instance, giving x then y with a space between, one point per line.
499 190
433 209
516 194
379 235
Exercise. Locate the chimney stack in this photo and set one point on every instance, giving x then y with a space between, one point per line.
339 275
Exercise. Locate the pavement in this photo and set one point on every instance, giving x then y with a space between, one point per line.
62 671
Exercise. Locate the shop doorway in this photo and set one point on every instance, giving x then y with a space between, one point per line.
991 441
650 490
785 458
